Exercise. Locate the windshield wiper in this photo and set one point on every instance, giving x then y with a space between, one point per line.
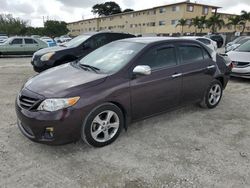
95 69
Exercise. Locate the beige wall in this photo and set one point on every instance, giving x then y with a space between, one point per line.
147 21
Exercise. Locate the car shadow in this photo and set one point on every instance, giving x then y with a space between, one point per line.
239 79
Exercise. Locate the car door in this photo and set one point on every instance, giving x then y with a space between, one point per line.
159 91
30 46
15 46
197 71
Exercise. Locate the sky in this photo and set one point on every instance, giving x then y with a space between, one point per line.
35 11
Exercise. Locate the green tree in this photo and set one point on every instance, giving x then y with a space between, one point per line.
182 22
128 10
11 25
195 22
234 21
245 17
55 28
215 22
106 9
202 23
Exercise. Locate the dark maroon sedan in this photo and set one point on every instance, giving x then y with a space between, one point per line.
124 81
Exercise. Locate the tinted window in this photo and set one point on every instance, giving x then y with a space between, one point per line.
28 41
159 58
190 54
98 41
204 41
17 41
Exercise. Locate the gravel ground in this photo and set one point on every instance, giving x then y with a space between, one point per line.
189 147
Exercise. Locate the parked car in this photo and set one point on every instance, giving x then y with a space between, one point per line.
73 50
121 82
49 41
208 42
3 39
241 60
65 38
21 46
238 42
218 38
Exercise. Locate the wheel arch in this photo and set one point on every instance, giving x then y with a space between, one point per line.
124 112
221 80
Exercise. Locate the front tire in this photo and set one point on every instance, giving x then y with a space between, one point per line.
103 125
213 95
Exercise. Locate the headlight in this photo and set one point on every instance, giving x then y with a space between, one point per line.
47 56
52 105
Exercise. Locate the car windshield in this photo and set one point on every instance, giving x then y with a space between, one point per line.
237 39
112 57
244 47
243 41
77 41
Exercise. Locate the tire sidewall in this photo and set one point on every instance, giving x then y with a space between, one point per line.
207 94
86 127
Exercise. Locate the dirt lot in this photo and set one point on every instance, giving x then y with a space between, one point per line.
190 147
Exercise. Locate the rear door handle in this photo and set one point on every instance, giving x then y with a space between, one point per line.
211 67
176 75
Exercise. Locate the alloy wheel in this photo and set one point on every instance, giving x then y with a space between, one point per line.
214 94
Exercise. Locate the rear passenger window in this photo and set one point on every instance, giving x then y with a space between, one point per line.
159 58
190 54
28 41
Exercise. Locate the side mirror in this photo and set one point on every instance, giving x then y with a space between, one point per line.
142 70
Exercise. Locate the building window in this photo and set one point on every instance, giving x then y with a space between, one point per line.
175 8
162 23
190 8
188 22
162 10
152 24
174 22
205 10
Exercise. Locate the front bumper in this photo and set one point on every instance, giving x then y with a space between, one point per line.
39 65
66 125
241 72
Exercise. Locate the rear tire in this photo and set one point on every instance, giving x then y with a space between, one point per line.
213 95
103 125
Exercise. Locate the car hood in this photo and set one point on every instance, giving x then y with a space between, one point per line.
62 81
50 49
239 56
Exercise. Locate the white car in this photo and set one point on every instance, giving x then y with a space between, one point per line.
208 42
3 39
237 42
240 58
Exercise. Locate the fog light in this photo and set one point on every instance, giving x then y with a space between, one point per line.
49 133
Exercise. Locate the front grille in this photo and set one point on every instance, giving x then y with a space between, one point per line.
28 102
241 64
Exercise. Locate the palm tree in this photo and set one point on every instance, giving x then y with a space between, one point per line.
245 16
234 21
182 22
203 23
195 22
215 22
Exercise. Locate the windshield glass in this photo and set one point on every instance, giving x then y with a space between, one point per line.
112 57
243 41
244 47
77 41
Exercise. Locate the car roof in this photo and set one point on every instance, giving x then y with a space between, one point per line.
151 40
105 32
195 37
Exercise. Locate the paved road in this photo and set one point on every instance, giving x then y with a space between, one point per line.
189 147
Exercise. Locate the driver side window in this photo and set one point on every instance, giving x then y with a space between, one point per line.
158 58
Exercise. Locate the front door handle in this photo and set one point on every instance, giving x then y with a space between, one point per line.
211 67
176 75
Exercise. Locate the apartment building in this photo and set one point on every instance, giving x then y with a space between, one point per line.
158 20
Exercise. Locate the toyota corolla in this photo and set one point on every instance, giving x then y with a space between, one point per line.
122 82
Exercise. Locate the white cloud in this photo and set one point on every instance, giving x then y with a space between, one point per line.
73 10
